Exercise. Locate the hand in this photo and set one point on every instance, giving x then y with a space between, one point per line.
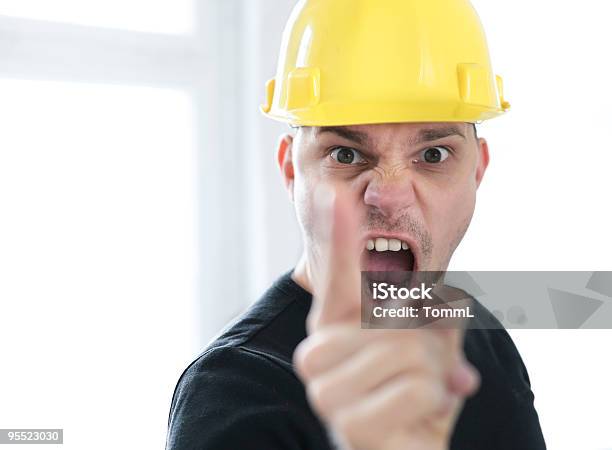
375 389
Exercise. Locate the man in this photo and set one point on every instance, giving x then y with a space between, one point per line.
383 170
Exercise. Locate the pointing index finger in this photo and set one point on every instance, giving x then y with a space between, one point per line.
336 283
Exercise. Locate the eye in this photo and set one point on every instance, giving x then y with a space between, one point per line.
435 155
347 155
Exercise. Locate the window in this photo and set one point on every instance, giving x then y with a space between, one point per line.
158 16
98 217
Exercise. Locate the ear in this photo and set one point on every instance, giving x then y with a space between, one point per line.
284 157
483 160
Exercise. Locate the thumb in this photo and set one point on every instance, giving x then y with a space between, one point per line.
462 377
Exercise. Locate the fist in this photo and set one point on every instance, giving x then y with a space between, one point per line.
385 389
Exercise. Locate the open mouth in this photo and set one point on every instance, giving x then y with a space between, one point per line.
388 255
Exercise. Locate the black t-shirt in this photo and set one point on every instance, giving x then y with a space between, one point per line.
242 392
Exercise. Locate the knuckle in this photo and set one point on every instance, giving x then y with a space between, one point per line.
406 392
301 359
356 430
408 356
319 348
413 391
419 351
318 394
310 360
428 393
345 425
308 354
391 350
422 358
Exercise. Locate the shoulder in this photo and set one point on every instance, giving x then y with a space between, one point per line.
495 355
242 391
501 414
232 370
234 397
490 348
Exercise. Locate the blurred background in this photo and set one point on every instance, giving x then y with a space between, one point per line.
141 210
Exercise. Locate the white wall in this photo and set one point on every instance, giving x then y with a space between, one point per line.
129 203
275 239
99 228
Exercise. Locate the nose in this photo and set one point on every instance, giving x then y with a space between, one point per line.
391 194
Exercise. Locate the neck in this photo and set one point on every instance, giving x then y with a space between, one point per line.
302 274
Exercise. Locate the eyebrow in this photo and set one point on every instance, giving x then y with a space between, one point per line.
433 134
352 135
425 135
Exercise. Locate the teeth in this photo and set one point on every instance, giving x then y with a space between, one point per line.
383 245
395 245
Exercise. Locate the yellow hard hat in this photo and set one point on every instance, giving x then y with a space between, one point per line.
349 62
